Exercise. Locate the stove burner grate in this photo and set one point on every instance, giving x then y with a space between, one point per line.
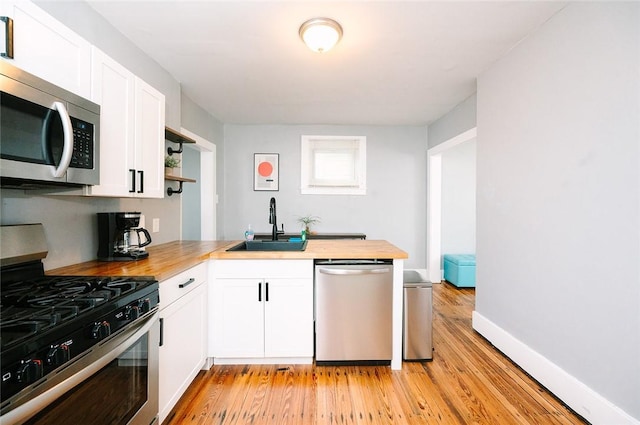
33 306
20 323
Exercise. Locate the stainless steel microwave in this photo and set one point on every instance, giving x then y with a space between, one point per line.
48 135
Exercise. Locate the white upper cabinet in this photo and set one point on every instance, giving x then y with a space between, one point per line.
46 48
132 117
149 125
113 88
132 113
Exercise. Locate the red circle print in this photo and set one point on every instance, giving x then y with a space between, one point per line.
265 169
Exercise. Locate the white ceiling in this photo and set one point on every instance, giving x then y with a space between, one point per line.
398 63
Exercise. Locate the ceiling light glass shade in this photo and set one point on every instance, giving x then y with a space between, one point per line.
320 34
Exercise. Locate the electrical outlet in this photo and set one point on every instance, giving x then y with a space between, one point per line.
156 225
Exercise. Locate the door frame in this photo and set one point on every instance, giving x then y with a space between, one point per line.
434 201
208 194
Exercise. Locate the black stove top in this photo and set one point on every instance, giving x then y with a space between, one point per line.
30 307
46 321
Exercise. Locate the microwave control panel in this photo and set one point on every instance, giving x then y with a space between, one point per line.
82 144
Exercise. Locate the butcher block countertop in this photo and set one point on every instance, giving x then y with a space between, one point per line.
168 259
321 249
164 261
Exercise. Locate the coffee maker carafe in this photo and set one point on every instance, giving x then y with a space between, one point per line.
120 238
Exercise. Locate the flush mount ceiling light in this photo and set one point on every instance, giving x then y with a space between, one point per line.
320 34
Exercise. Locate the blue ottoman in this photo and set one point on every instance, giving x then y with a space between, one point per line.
460 269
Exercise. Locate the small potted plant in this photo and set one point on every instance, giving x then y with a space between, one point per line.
308 221
170 163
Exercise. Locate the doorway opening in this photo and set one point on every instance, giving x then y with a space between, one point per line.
434 202
199 200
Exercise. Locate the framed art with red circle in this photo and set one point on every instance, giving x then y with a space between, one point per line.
266 171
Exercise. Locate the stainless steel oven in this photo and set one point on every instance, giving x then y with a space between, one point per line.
74 349
116 383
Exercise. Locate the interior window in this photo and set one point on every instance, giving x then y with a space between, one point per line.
333 165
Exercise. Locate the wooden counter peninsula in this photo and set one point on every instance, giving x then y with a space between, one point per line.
346 249
167 261
235 269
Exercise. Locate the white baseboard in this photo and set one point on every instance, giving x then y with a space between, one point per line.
582 399
262 360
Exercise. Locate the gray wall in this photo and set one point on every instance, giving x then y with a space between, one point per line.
558 202
459 199
393 208
457 121
191 205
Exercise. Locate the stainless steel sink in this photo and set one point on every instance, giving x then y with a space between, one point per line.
269 246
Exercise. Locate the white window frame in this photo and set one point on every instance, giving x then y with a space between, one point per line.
333 165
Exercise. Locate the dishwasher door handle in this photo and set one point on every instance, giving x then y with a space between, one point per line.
352 272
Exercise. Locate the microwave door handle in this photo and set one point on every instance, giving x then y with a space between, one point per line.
67 149
47 154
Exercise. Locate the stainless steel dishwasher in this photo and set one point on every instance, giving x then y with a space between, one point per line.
353 311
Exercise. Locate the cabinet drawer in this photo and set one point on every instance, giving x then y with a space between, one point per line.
263 268
181 284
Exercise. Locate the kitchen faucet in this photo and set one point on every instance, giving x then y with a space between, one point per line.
273 220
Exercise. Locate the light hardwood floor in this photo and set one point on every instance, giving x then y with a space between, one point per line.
468 382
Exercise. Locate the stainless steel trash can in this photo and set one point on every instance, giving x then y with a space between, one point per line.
417 338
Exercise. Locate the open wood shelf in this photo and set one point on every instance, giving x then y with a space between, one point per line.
178 178
181 180
175 137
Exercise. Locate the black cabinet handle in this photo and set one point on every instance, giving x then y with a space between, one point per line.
133 180
141 181
259 291
8 36
266 296
161 331
187 283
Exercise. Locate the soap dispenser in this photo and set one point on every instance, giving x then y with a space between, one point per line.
248 234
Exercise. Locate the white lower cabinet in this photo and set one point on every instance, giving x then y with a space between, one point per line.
183 340
263 311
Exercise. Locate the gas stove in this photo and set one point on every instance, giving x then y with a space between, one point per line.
48 321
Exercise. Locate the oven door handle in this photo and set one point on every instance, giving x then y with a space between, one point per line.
88 364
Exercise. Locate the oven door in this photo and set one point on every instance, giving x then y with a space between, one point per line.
116 382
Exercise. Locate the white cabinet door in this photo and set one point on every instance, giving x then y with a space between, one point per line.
184 320
131 131
262 309
241 316
113 88
149 134
46 48
288 318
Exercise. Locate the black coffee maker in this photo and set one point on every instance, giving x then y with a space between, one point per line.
120 238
